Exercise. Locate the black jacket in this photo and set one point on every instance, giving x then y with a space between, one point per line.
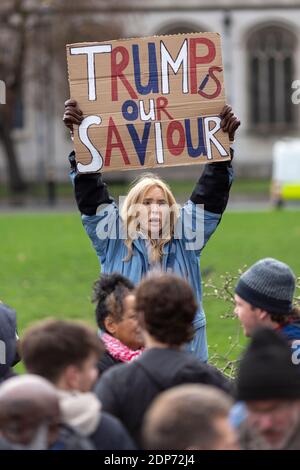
127 390
111 435
106 361
69 439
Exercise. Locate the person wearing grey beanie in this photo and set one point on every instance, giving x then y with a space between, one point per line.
264 297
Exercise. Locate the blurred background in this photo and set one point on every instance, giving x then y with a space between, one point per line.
47 263
261 54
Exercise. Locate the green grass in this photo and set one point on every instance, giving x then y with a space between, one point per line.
251 186
48 264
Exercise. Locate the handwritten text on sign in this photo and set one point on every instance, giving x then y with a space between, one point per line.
148 102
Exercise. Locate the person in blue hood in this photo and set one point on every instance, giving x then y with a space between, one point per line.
8 342
150 232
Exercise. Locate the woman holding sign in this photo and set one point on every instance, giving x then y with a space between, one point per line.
150 232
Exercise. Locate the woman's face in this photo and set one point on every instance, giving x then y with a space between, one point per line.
155 216
128 330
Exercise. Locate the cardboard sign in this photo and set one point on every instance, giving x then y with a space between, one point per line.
148 102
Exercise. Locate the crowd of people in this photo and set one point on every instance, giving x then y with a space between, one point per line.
128 383
140 378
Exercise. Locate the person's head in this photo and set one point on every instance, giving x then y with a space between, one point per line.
189 417
29 413
269 383
63 352
274 420
264 295
150 208
115 313
166 308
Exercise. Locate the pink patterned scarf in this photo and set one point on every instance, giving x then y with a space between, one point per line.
118 350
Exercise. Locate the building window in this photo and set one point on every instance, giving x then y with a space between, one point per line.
271 72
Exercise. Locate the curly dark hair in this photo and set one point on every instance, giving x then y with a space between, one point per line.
284 319
109 293
168 307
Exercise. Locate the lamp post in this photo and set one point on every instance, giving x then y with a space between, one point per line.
49 109
46 109
227 46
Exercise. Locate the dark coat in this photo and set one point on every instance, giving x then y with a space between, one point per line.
107 361
127 390
69 439
111 435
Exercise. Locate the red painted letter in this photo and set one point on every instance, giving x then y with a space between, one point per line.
175 148
161 104
194 59
113 132
217 82
117 72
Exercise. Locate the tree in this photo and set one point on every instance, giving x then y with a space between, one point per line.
47 26
12 62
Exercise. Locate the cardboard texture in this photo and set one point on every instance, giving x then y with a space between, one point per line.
148 102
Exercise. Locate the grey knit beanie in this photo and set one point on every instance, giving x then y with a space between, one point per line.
269 284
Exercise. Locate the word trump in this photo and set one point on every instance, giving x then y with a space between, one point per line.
120 60
148 102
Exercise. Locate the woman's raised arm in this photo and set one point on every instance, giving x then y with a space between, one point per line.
90 190
212 188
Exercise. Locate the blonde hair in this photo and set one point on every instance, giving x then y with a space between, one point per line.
135 196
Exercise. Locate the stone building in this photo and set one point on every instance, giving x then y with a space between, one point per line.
261 53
